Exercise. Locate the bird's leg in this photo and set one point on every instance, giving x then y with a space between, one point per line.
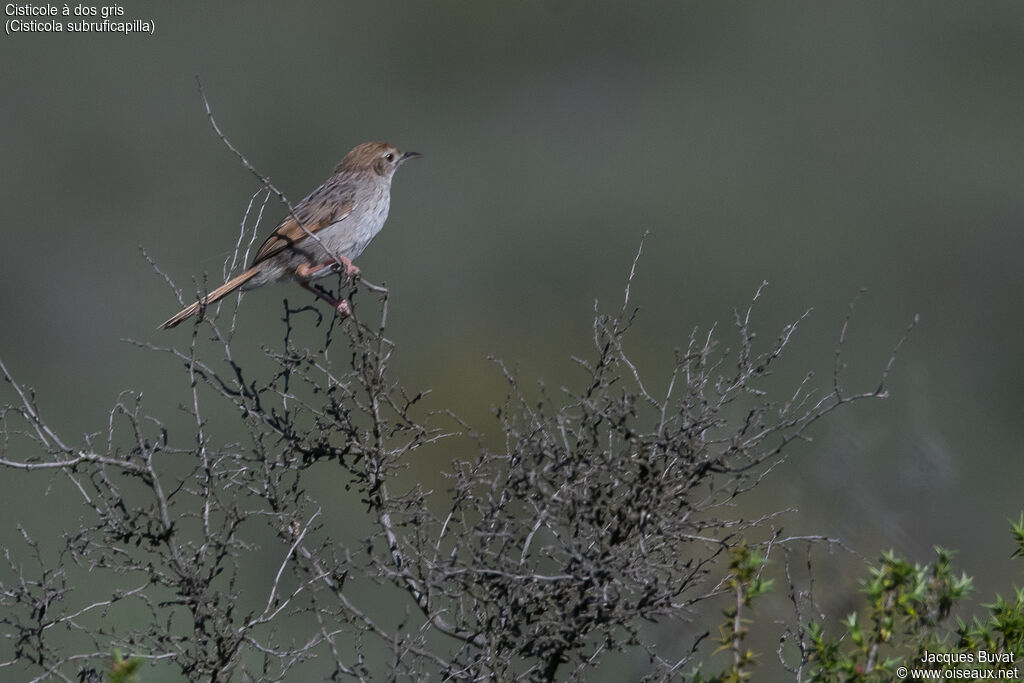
306 271
340 305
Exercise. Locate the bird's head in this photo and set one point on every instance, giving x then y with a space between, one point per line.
380 158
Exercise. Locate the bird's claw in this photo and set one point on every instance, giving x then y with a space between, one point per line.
351 269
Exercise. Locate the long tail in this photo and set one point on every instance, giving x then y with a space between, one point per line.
216 295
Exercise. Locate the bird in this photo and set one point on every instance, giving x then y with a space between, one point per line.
326 231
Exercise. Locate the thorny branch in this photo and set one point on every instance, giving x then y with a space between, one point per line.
606 508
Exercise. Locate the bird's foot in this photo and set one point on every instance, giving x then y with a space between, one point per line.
306 271
343 309
351 269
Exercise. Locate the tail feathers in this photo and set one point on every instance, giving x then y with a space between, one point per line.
216 295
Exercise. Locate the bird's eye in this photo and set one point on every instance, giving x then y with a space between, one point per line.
389 156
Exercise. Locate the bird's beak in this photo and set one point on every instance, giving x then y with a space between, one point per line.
410 155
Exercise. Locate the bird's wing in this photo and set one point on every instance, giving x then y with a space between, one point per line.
289 232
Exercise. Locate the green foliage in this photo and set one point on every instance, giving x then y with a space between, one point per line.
1017 529
903 627
746 583
901 633
906 606
123 670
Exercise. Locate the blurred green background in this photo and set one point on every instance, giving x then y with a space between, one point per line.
822 146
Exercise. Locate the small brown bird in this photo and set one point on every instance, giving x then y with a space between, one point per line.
335 223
